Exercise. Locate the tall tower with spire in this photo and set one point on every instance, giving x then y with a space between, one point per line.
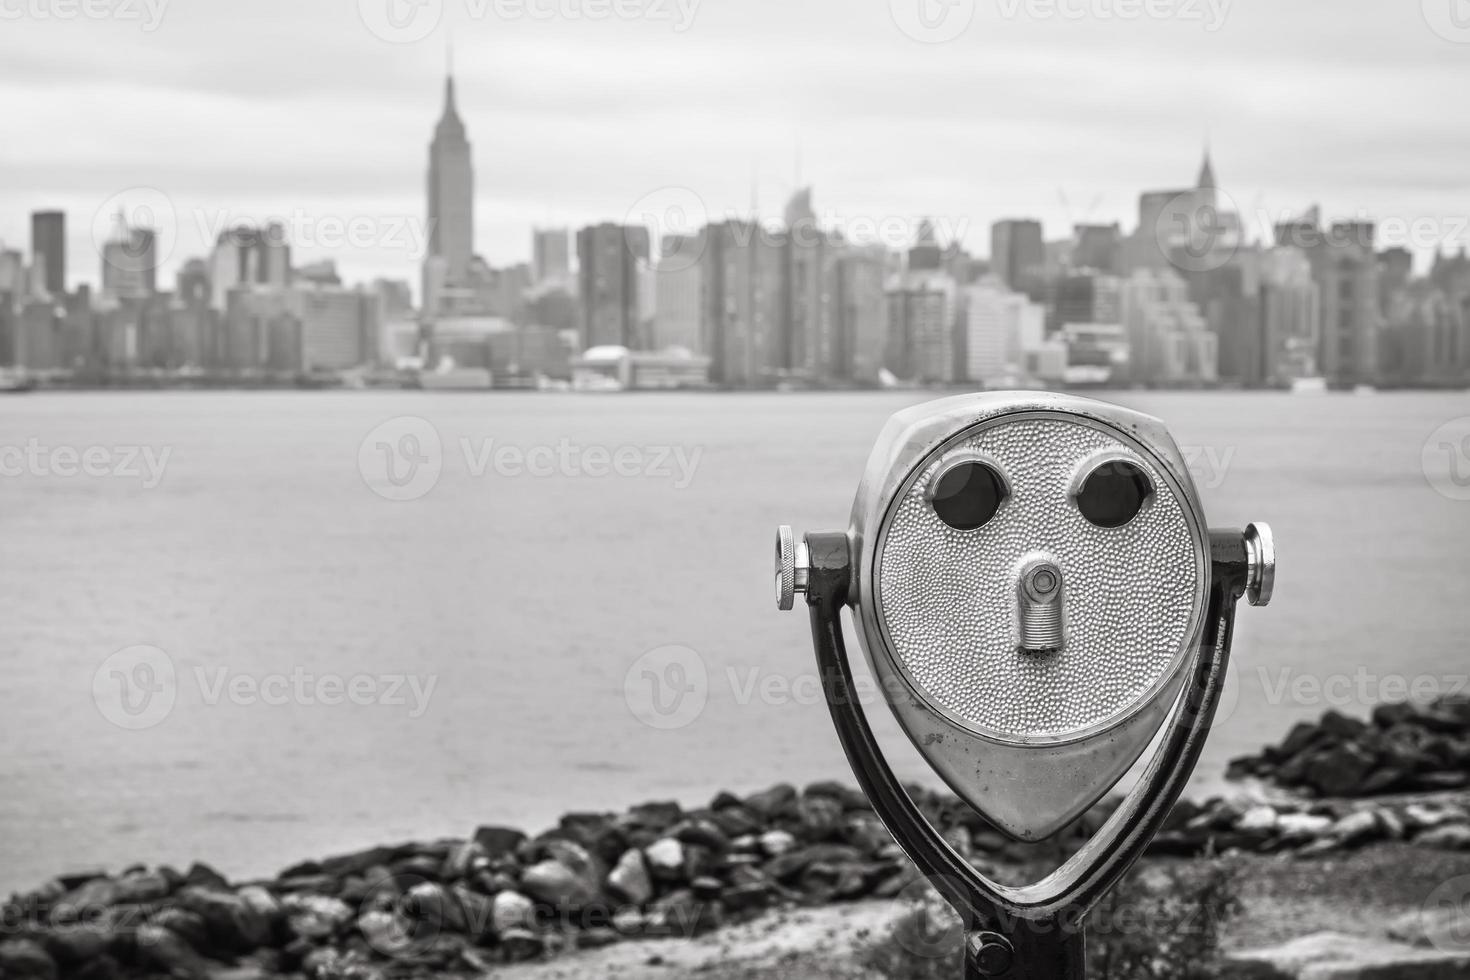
451 196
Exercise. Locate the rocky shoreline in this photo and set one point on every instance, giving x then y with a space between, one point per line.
501 896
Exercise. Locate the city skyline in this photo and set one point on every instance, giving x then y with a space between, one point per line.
555 147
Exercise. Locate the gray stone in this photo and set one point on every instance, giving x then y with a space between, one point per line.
556 884
1257 819
1302 826
167 952
1355 828
665 859
24 959
436 905
231 920
777 842
630 879
315 916
1335 956
1446 837
512 910
1446 928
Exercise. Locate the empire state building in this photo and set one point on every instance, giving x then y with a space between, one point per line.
451 205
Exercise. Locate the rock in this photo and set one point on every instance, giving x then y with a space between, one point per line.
701 832
1446 837
231 920
777 842
775 800
387 933
737 821
1336 725
103 967
342 865
142 886
630 880
463 858
1436 782
1257 819
821 817
789 866
1355 828
557 885
1393 714
1446 927
521 945
87 898
25 959
436 905
73 945
499 842
478 911
655 817
1418 816
510 910
1335 956
1302 735
1296 827
205 876
161 949
1341 770
315 916
665 859
188 926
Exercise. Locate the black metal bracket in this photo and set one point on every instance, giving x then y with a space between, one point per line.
1009 936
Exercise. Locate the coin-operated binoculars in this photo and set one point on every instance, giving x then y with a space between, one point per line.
1038 596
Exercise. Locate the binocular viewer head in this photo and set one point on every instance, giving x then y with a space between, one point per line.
1029 576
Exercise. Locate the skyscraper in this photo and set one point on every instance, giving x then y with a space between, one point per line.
48 249
245 256
608 258
451 199
129 261
1017 251
549 259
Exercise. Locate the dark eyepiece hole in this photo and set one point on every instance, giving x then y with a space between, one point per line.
1113 494
968 495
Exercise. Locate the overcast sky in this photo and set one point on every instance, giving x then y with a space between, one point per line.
319 112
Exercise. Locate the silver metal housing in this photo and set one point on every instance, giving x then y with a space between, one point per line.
970 710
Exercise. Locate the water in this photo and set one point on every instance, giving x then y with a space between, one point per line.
262 553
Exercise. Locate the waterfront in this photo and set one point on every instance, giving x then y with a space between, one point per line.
510 607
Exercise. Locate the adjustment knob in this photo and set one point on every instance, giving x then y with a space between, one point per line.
1260 550
791 567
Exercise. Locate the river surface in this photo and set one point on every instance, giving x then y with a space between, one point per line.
229 632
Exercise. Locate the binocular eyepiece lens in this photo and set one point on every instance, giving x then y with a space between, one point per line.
967 494
1114 493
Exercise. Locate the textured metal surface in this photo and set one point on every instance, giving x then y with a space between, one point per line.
785 567
947 599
